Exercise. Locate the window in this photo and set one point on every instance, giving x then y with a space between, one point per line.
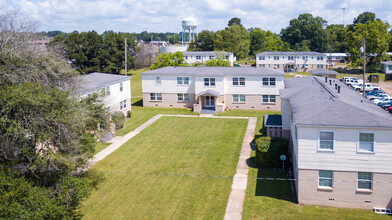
320 58
209 81
182 80
365 180
366 142
320 66
183 97
276 65
269 98
261 65
158 80
227 57
239 98
156 96
326 140
238 81
304 57
276 57
123 104
121 86
290 57
390 67
106 91
198 57
186 57
325 178
261 57
211 57
269 81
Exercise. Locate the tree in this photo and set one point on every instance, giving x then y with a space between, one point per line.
261 41
204 42
306 28
337 35
234 21
377 43
364 18
169 59
235 39
218 61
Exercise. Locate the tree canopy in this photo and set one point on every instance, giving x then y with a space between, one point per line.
169 59
235 39
261 41
235 21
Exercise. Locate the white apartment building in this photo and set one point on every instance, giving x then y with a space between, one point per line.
292 61
114 88
213 89
201 57
341 144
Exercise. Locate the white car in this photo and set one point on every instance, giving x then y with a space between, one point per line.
383 100
368 87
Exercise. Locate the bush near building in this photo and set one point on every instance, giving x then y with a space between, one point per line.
268 151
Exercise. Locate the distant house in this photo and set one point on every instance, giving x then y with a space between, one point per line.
386 67
341 144
115 89
337 57
159 43
201 57
301 61
213 89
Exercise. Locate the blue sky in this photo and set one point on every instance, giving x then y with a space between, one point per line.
166 15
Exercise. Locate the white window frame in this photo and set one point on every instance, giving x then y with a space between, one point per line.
211 57
156 97
106 91
358 142
121 86
198 57
269 99
239 98
238 81
261 65
325 178
261 57
276 57
209 81
123 104
269 81
365 180
333 141
158 80
183 81
183 97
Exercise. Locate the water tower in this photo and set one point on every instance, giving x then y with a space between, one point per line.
189 25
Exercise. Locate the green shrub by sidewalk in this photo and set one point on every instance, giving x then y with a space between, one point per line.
268 151
118 119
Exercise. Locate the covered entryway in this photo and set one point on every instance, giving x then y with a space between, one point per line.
207 101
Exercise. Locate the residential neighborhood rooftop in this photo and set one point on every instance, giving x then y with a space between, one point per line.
296 53
315 102
207 53
92 81
387 62
323 72
214 71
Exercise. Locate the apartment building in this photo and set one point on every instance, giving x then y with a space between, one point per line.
201 57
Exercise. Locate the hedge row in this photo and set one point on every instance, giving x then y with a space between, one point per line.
268 151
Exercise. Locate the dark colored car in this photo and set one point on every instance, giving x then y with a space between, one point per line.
374 92
385 105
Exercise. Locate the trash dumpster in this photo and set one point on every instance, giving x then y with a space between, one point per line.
373 78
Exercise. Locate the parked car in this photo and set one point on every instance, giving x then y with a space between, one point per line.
390 109
351 82
355 83
373 92
377 96
368 87
383 100
386 105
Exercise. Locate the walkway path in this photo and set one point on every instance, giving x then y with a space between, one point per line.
237 196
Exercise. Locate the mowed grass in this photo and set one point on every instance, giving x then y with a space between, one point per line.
194 146
100 146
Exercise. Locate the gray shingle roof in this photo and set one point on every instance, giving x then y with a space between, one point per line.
93 81
205 53
323 72
296 53
314 102
214 71
387 62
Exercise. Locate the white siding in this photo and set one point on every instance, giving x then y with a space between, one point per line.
219 85
345 156
253 85
312 60
286 114
168 85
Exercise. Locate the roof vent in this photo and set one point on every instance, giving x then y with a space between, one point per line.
336 86
326 79
338 89
330 82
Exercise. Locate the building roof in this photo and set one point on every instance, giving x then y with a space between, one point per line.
296 53
336 54
214 71
323 72
272 120
387 62
206 53
93 81
314 102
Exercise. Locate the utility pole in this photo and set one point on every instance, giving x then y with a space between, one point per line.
125 61
364 66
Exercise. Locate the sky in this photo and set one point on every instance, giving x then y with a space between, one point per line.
166 15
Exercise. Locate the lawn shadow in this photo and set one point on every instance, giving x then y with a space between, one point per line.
251 162
138 103
278 189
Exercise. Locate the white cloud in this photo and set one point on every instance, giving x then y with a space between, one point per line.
166 15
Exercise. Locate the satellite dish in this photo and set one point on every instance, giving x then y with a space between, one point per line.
282 157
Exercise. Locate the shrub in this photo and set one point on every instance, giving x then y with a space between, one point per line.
129 114
118 119
268 151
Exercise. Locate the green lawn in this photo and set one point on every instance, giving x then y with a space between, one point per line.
251 113
248 61
143 114
267 199
196 146
100 146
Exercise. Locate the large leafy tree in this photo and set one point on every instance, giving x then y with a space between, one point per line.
306 29
364 18
261 40
204 41
235 39
377 41
234 21
337 35
169 59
